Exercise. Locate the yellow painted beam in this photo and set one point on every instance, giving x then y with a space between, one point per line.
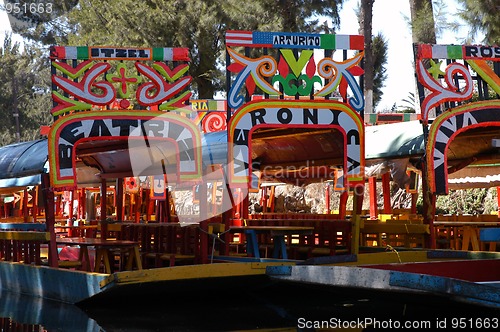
410 256
188 272
394 228
25 236
388 257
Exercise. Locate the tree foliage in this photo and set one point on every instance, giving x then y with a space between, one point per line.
422 21
482 16
198 25
380 48
24 82
46 22
365 13
464 201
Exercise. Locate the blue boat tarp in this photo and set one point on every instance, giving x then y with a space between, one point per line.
21 164
214 148
394 140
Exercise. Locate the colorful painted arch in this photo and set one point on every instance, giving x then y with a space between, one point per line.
127 143
461 136
340 139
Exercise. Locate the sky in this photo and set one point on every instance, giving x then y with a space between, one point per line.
388 18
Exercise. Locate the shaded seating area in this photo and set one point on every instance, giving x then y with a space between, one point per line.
22 242
329 234
164 244
462 232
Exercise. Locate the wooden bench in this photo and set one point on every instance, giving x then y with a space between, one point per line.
22 246
329 237
397 234
21 242
163 242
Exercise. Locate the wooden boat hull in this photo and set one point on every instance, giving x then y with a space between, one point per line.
183 281
474 278
463 276
62 285
75 287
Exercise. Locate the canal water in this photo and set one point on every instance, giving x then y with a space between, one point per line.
285 308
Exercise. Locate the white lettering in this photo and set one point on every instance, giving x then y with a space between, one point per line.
119 53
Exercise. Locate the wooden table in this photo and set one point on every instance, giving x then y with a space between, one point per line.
330 233
406 231
470 231
277 232
103 250
76 231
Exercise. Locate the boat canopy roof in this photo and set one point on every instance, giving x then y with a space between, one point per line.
472 160
21 164
394 140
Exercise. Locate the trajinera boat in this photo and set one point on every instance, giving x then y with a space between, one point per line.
89 210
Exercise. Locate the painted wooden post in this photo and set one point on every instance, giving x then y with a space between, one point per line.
137 206
50 218
245 204
203 223
119 199
25 205
271 200
372 186
356 224
429 209
414 199
263 199
343 204
104 223
386 191
150 205
35 203
71 204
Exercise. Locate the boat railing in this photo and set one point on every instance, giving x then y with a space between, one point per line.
21 242
331 236
163 244
394 233
461 232
276 215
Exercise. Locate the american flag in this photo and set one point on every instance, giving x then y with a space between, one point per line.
239 38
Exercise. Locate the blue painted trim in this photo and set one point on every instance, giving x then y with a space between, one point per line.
23 226
489 234
248 259
279 270
471 291
330 260
57 284
252 244
279 247
447 254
